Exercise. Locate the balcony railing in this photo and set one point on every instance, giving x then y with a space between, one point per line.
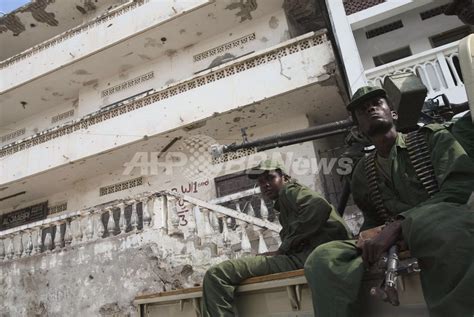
151 98
210 224
72 32
438 69
354 6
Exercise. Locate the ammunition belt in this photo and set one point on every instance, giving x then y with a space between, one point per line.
421 160
374 190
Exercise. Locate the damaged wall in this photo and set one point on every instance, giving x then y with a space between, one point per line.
99 278
40 20
171 67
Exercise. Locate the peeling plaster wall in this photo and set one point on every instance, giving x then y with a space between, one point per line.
100 278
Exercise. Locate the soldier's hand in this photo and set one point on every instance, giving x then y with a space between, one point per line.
271 253
373 249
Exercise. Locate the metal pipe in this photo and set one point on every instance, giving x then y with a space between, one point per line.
310 137
289 138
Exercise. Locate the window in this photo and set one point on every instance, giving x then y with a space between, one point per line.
450 36
238 182
384 29
354 6
392 56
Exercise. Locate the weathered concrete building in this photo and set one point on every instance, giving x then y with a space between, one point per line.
108 109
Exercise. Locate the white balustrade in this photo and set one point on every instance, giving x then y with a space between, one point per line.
145 212
437 68
214 221
10 250
77 234
110 221
161 214
161 211
225 231
208 230
89 228
122 220
97 226
23 242
29 244
57 237
245 241
48 243
68 234
249 209
39 240
262 246
134 215
263 209
19 246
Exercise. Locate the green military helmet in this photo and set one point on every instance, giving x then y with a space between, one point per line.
264 166
364 93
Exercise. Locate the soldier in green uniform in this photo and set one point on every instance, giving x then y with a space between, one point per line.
439 229
307 221
463 131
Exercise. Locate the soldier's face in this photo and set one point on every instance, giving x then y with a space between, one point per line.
270 184
374 116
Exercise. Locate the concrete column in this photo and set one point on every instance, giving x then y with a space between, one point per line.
347 45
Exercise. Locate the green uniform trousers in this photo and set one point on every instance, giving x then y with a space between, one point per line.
440 236
221 280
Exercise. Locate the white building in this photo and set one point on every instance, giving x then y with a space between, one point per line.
384 37
89 86
105 104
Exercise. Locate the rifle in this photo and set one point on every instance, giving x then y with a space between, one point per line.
392 266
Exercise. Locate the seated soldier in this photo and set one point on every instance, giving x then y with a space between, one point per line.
420 194
307 221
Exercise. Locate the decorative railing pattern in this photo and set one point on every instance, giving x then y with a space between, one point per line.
72 32
127 84
354 6
209 223
224 47
296 45
436 68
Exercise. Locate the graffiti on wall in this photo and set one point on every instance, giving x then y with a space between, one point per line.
190 188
